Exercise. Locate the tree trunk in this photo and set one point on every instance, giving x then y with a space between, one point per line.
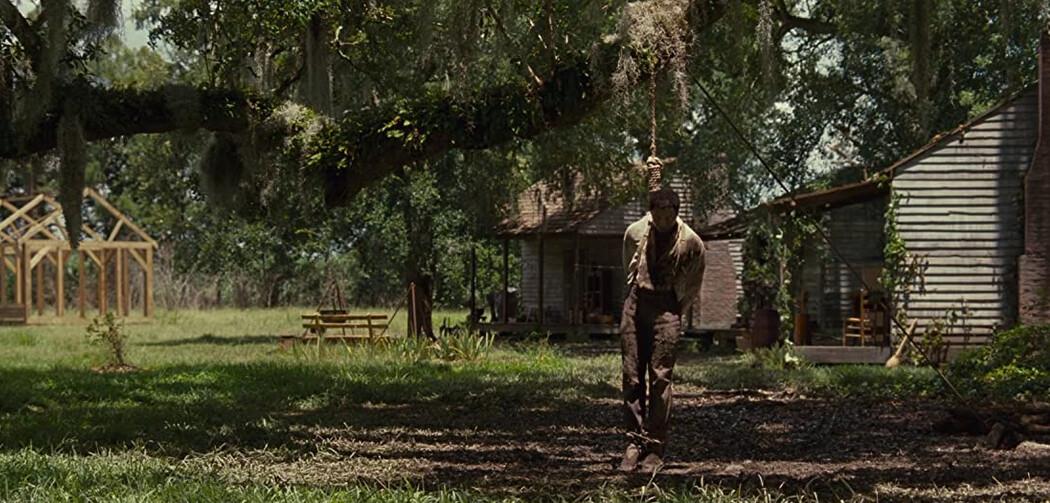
273 293
921 13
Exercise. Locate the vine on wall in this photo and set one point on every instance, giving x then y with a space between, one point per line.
773 249
903 274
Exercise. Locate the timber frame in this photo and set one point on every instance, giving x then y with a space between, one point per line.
33 234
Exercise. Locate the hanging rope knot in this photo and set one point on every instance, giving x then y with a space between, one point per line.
654 168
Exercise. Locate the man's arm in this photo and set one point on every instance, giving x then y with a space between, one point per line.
630 247
692 278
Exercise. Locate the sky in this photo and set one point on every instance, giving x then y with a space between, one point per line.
132 36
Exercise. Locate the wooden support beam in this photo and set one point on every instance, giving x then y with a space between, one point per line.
93 194
41 226
94 256
21 213
81 292
60 282
543 230
19 288
39 289
139 255
118 281
473 284
147 294
91 232
102 307
39 256
576 311
506 278
3 273
126 281
37 227
27 281
116 230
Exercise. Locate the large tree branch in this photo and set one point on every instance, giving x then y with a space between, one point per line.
109 113
812 26
365 147
789 21
19 26
422 130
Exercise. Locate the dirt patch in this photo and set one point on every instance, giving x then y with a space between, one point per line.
115 368
838 448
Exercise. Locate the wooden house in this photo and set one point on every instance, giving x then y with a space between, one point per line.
571 257
972 207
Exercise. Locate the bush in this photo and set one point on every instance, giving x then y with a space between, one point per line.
781 356
108 331
1014 365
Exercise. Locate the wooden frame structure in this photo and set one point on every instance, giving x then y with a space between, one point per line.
33 234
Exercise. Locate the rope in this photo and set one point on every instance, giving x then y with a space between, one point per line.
652 116
823 235
653 165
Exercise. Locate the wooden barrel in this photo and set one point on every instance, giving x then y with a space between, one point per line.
765 328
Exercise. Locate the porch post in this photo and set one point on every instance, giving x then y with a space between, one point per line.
473 281
543 258
576 315
506 277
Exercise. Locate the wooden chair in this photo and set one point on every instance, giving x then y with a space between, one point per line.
865 326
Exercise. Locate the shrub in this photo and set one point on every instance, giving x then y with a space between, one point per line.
1015 364
781 356
466 345
108 331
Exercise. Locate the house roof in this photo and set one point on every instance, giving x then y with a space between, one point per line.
874 186
545 209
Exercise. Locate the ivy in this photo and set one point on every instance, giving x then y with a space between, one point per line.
773 250
902 273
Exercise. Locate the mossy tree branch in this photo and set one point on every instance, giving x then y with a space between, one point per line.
19 26
364 147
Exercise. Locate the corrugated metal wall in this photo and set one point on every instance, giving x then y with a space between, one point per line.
962 210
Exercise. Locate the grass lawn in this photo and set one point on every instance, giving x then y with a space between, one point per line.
219 413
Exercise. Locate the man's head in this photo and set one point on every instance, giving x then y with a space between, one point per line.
663 206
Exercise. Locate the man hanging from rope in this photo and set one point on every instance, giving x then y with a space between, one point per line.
664 262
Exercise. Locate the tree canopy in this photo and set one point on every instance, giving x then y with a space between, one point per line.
280 111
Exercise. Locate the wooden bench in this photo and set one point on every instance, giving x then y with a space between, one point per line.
323 325
13 314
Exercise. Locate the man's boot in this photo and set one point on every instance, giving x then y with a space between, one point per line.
630 458
652 462
654 459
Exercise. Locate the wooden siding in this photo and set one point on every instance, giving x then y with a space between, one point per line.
554 278
557 273
614 221
961 211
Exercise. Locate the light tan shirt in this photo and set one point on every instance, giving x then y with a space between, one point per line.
687 255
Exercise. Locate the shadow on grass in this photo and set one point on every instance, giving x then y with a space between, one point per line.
484 426
215 340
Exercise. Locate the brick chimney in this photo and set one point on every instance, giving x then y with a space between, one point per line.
1034 265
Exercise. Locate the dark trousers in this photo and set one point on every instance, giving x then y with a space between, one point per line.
649 330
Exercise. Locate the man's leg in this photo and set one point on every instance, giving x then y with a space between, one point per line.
633 369
666 331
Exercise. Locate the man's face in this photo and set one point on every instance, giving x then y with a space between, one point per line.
664 216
